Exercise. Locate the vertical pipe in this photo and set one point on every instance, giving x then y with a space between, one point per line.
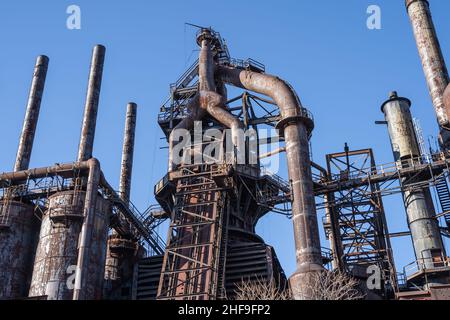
127 152
432 59
297 126
91 106
87 230
425 233
32 114
121 251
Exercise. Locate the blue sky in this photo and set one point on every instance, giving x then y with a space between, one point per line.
341 70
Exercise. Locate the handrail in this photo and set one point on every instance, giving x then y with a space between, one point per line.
389 168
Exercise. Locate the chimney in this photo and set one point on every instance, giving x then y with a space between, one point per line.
127 152
91 106
32 114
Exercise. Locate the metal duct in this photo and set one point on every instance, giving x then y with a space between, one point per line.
208 100
213 102
432 59
91 106
296 125
32 114
195 114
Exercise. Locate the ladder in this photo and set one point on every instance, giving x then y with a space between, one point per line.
191 263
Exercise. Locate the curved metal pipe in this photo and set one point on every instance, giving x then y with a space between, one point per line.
209 100
212 98
195 114
295 127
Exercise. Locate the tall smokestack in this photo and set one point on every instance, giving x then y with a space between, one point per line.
127 152
32 114
432 59
422 222
91 106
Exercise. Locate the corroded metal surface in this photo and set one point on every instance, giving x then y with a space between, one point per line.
431 56
18 229
401 127
32 114
91 106
57 252
121 252
418 203
447 97
127 152
92 240
210 100
296 128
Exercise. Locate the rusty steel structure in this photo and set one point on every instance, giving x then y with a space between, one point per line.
433 62
65 221
123 252
55 220
67 234
424 228
18 223
355 221
195 258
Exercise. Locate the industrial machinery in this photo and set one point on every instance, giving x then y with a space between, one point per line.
65 233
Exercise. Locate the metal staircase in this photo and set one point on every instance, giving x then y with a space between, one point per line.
444 198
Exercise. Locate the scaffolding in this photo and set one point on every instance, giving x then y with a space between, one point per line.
351 189
195 245
356 222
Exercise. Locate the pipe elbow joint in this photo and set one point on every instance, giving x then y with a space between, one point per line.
94 162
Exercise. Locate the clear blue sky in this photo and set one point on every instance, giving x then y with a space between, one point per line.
341 70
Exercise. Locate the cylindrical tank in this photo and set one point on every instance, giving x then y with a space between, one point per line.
401 127
425 233
18 230
56 256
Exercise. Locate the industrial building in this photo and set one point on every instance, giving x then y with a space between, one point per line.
67 234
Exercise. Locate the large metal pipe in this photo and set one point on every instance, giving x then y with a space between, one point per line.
211 100
195 114
296 126
127 153
18 225
432 59
121 250
425 233
87 230
91 107
32 114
